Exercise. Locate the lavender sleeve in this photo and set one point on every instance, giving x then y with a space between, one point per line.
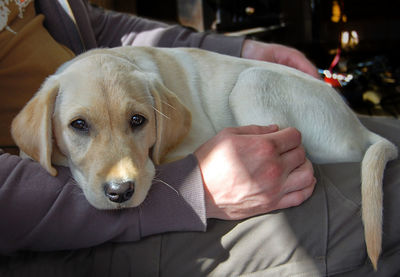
41 212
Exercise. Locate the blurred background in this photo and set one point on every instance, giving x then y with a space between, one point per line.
354 43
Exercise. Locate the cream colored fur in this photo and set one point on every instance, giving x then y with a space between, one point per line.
106 87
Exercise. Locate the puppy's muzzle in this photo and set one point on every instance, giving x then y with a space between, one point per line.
119 192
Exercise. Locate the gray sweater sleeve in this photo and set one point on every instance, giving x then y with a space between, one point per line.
178 36
41 212
109 27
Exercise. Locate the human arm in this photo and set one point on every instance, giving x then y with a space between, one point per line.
41 212
114 29
110 29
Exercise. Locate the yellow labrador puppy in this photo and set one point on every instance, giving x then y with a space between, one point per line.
111 114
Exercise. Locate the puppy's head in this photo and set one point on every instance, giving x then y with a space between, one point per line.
106 120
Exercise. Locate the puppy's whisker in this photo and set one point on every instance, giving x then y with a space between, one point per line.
161 113
169 105
168 185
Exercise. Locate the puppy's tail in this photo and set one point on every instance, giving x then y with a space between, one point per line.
373 166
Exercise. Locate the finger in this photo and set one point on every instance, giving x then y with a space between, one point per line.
286 139
309 68
296 59
302 183
295 198
300 178
253 129
293 159
303 64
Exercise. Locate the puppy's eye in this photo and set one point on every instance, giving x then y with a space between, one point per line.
80 125
137 120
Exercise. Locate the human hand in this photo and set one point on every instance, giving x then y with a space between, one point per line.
252 170
280 54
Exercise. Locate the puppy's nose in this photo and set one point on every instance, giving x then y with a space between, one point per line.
119 192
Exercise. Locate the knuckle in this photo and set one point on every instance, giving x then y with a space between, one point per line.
295 133
274 171
268 147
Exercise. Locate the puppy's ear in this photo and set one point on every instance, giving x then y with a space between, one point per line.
173 120
31 129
